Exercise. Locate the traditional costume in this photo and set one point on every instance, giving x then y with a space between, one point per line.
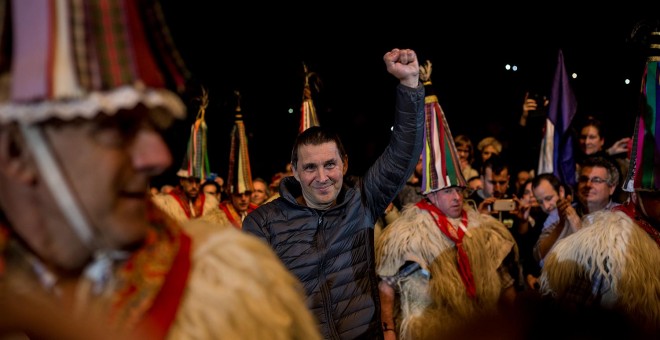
460 260
210 282
84 59
611 262
195 165
239 176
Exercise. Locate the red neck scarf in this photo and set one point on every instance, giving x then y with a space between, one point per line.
232 215
629 209
456 235
181 197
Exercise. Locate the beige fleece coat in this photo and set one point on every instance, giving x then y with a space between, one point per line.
428 307
610 246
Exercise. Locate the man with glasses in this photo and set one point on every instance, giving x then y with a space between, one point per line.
597 183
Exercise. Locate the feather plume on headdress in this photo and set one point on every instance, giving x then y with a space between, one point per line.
308 117
440 159
239 177
196 160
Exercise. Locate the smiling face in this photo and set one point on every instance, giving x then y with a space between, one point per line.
547 196
260 193
108 174
320 171
594 188
590 140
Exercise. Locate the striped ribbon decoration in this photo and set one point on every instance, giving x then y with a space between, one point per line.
645 155
308 117
196 161
440 158
239 177
89 46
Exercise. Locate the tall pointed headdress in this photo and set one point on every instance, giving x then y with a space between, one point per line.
644 170
79 59
440 159
71 59
239 177
308 117
196 160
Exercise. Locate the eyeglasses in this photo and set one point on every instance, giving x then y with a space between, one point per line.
594 180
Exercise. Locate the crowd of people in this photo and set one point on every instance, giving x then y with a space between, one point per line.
438 237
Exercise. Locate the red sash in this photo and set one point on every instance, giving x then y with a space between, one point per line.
154 279
629 209
456 235
232 214
181 197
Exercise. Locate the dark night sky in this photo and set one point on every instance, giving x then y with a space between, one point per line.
261 54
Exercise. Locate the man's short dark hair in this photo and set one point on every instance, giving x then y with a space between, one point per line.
316 135
602 162
214 183
551 178
495 163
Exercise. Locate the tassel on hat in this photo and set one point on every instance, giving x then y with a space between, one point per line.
441 166
308 117
196 161
239 177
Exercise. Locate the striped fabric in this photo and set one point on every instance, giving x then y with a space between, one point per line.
239 177
440 158
196 160
644 171
308 116
556 154
88 49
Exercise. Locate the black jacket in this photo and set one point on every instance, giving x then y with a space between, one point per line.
332 251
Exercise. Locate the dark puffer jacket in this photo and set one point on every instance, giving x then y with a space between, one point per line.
332 251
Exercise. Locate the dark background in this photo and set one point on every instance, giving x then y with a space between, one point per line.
260 50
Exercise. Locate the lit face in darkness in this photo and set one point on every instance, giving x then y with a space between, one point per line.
320 171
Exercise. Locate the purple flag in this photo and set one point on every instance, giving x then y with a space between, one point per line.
557 147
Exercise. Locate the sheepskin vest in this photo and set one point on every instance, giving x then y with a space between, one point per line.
618 257
428 307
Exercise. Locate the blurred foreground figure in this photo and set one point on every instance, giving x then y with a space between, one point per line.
82 99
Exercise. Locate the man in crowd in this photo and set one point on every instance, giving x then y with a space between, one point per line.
557 202
261 192
81 244
322 226
441 262
187 200
612 262
237 207
597 181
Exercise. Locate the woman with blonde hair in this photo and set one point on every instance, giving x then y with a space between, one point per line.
489 146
